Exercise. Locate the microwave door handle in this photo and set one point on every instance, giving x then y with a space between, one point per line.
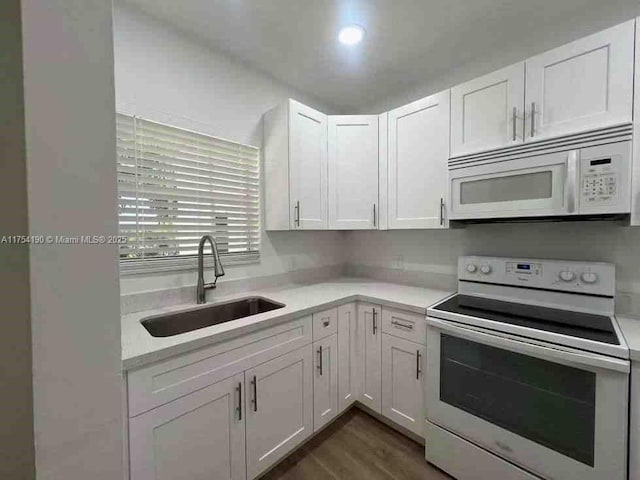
571 180
497 340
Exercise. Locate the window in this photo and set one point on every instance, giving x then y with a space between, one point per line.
176 185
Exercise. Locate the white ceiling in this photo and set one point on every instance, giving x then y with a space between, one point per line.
408 42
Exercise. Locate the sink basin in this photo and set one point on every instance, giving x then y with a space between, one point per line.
188 320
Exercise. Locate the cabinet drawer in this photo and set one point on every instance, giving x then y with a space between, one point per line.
407 325
325 323
162 382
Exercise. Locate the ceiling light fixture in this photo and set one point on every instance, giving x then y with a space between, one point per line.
351 35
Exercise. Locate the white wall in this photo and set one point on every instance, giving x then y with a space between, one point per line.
75 315
167 76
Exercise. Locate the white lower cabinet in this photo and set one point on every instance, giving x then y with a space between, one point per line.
403 366
349 356
279 408
198 436
275 394
325 381
369 324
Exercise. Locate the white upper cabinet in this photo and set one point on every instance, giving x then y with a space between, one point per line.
585 85
581 86
487 112
353 172
418 150
295 155
308 167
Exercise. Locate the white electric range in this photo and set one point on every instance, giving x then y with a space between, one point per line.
528 373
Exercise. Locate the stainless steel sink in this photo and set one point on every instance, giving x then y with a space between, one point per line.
189 320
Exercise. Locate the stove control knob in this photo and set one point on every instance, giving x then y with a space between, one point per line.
471 268
567 276
589 277
486 269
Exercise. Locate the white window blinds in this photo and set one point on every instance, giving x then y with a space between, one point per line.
176 185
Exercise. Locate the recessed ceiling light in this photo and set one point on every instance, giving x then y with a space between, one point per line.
351 35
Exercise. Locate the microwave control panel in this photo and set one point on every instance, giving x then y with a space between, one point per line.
604 184
600 180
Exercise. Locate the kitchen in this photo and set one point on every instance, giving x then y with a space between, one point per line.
398 243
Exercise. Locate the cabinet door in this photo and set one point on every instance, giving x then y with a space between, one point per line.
487 112
325 381
353 172
585 85
279 408
418 147
403 382
369 325
349 356
307 167
198 436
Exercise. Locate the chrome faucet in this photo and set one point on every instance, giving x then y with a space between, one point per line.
217 268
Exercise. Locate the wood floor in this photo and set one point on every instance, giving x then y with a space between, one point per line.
357 446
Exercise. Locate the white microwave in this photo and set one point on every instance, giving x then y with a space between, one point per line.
590 181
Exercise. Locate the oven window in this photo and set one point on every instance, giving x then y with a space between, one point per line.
548 403
511 188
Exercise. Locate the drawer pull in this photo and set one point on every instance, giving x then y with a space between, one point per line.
418 371
319 367
375 321
401 325
239 409
254 383
326 323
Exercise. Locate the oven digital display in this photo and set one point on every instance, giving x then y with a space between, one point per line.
602 161
524 266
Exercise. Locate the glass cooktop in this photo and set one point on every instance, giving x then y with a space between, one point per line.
589 326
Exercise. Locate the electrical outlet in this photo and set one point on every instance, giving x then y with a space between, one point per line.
292 263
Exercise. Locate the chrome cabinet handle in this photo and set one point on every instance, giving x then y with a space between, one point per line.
374 215
319 367
239 409
296 217
254 383
375 321
441 211
533 119
513 120
402 325
418 371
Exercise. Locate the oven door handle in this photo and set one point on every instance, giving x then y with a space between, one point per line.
498 340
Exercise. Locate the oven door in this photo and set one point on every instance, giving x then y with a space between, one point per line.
525 187
557 412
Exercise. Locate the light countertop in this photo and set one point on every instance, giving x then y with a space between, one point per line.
630 326
140 348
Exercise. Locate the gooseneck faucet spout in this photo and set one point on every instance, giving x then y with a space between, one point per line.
217 268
